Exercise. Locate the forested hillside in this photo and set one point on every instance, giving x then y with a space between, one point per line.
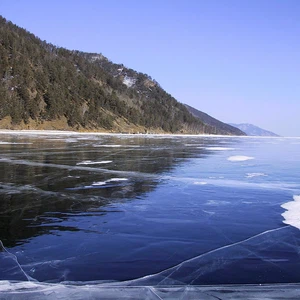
47 87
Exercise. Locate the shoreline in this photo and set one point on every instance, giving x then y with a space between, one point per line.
68 132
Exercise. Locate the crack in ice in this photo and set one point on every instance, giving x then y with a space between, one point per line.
177 267
14 257
66 167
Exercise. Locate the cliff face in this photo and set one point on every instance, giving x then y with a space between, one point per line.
47 87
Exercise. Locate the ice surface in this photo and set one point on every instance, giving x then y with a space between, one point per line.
239 158
10 268
160 214
257 248
93 291
223 182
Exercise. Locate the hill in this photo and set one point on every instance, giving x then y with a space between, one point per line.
253 130
47 87
220 127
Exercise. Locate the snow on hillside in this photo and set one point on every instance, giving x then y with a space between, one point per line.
129 81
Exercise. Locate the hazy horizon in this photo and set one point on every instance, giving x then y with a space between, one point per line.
237 61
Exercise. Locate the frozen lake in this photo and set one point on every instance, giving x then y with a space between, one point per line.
186 210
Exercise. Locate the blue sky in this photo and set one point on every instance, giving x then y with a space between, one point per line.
236 60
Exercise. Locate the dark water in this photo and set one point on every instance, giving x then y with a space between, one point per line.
189 210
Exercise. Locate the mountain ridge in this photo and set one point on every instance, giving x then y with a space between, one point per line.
211 121
253 130
47 87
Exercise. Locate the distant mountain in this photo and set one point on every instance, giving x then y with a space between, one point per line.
221 127
47 87
253 130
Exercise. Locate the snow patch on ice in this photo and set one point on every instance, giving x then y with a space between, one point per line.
89 162
217 202
239 158
13 143
292 213
193 145
108 146
250 175
102 184
208 212
71 140
200 182
99 183
117 179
